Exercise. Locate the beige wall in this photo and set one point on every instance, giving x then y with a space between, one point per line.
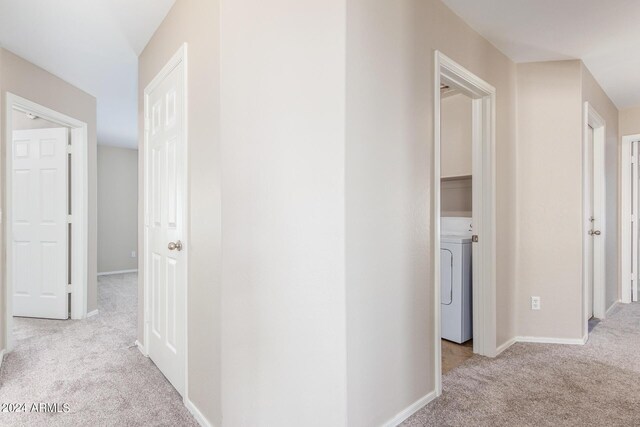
550 108
283 112
117 208
629 123
195 22
455 155
550 199
389 230
28 81
593 93
456 197
455 136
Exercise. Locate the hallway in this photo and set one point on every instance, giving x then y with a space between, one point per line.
548 384
92 365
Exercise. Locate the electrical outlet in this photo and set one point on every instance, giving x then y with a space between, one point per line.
535 303
133 254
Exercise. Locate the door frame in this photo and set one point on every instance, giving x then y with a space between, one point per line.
592 119
484 201
626 219
79 205
179 59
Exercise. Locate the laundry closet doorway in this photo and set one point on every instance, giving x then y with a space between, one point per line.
450 74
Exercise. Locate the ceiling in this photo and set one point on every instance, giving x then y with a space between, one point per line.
92 44
605 34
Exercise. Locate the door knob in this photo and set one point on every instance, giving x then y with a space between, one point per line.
594 233
175 245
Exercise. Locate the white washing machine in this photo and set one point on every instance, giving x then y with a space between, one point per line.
455 279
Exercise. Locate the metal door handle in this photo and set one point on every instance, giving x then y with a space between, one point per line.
594 233
175 245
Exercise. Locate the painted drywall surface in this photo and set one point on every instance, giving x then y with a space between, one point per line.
455 155
455 136
24 79
196 23
629 121
117 208
550 199
593 93
456 197
389 182
282 97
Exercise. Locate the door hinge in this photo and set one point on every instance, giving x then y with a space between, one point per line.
69 219
69 288
474 238
69 149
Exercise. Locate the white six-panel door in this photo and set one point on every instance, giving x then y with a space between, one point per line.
39 227
165 272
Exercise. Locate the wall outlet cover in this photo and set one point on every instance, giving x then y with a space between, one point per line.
133 254
535 303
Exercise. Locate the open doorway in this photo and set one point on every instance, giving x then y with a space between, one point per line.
463 101
46 228
593 219
456 227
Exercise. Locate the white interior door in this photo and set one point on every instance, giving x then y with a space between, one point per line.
165 206
39 223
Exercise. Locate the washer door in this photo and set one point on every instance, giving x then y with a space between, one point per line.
446 276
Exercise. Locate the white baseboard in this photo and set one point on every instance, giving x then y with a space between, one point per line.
201 419
92 313
549 340
141 348
505 346
410 410
108 273
611 308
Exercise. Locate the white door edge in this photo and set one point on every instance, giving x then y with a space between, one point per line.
626 231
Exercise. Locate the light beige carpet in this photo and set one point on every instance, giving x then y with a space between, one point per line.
91 365
597 384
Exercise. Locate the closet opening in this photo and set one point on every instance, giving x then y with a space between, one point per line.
464 217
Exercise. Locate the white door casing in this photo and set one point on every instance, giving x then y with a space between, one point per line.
39 224
629 209
165 272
